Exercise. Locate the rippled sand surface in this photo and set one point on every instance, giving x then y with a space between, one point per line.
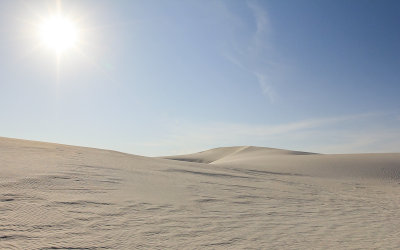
63 197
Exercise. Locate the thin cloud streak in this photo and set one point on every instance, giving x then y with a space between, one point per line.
251 56
323 135
262 27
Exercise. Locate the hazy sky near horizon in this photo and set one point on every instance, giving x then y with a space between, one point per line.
169 77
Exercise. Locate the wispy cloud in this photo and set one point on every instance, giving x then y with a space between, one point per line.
262 27
341 134
265 86
254 55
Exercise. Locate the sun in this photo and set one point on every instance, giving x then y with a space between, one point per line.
58 33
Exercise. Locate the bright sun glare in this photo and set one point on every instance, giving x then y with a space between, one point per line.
58 33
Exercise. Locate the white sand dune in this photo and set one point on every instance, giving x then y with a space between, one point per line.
218 154
278 161
61 197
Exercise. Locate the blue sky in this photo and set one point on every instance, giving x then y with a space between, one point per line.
169 77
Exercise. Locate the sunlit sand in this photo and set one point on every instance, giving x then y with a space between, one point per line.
56 196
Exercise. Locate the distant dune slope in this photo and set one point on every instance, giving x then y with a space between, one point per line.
223 153
381 166
56 196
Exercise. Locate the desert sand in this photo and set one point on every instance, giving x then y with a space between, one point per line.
56 196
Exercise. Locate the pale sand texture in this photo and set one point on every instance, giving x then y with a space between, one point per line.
55 196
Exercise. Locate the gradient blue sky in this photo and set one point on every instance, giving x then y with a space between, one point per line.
169 77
